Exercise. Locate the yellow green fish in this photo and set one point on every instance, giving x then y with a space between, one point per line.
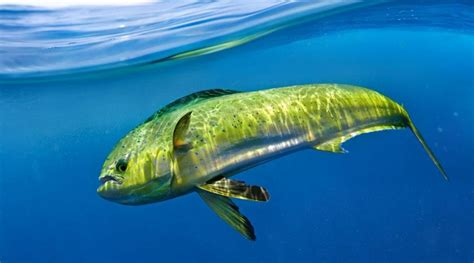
196 143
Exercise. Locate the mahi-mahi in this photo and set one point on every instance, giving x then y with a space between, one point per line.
196 143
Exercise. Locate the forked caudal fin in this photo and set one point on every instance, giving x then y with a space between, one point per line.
427 149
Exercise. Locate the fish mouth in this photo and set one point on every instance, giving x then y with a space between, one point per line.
109 178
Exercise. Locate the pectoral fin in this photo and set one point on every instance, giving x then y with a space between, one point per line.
180 131
229 212
180 146
236 189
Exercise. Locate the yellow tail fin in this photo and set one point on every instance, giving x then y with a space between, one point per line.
427 149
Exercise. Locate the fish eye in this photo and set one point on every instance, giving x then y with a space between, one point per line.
121 165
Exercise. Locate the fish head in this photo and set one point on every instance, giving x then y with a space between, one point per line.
135 175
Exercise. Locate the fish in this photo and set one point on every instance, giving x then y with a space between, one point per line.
198 142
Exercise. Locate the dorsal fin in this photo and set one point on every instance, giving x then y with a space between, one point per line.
191 98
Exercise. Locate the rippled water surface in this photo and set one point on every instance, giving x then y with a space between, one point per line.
40 41
74 79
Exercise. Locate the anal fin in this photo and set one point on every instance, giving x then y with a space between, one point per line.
333 145
236 189
229 212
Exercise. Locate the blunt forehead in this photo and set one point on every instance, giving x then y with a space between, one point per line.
149 137
121 151
114 156
134 141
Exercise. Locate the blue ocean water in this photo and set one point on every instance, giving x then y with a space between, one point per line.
74 80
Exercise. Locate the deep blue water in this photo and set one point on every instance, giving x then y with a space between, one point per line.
64 106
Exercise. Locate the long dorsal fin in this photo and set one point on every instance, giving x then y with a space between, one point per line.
229 212
191 98
236 189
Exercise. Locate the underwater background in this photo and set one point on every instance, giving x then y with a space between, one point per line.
75 79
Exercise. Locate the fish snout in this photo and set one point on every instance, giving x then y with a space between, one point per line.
108 186
109 178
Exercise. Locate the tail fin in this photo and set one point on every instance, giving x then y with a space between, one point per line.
427 149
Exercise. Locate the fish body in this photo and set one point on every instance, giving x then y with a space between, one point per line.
198 142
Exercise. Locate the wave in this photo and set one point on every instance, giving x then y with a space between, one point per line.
38 42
